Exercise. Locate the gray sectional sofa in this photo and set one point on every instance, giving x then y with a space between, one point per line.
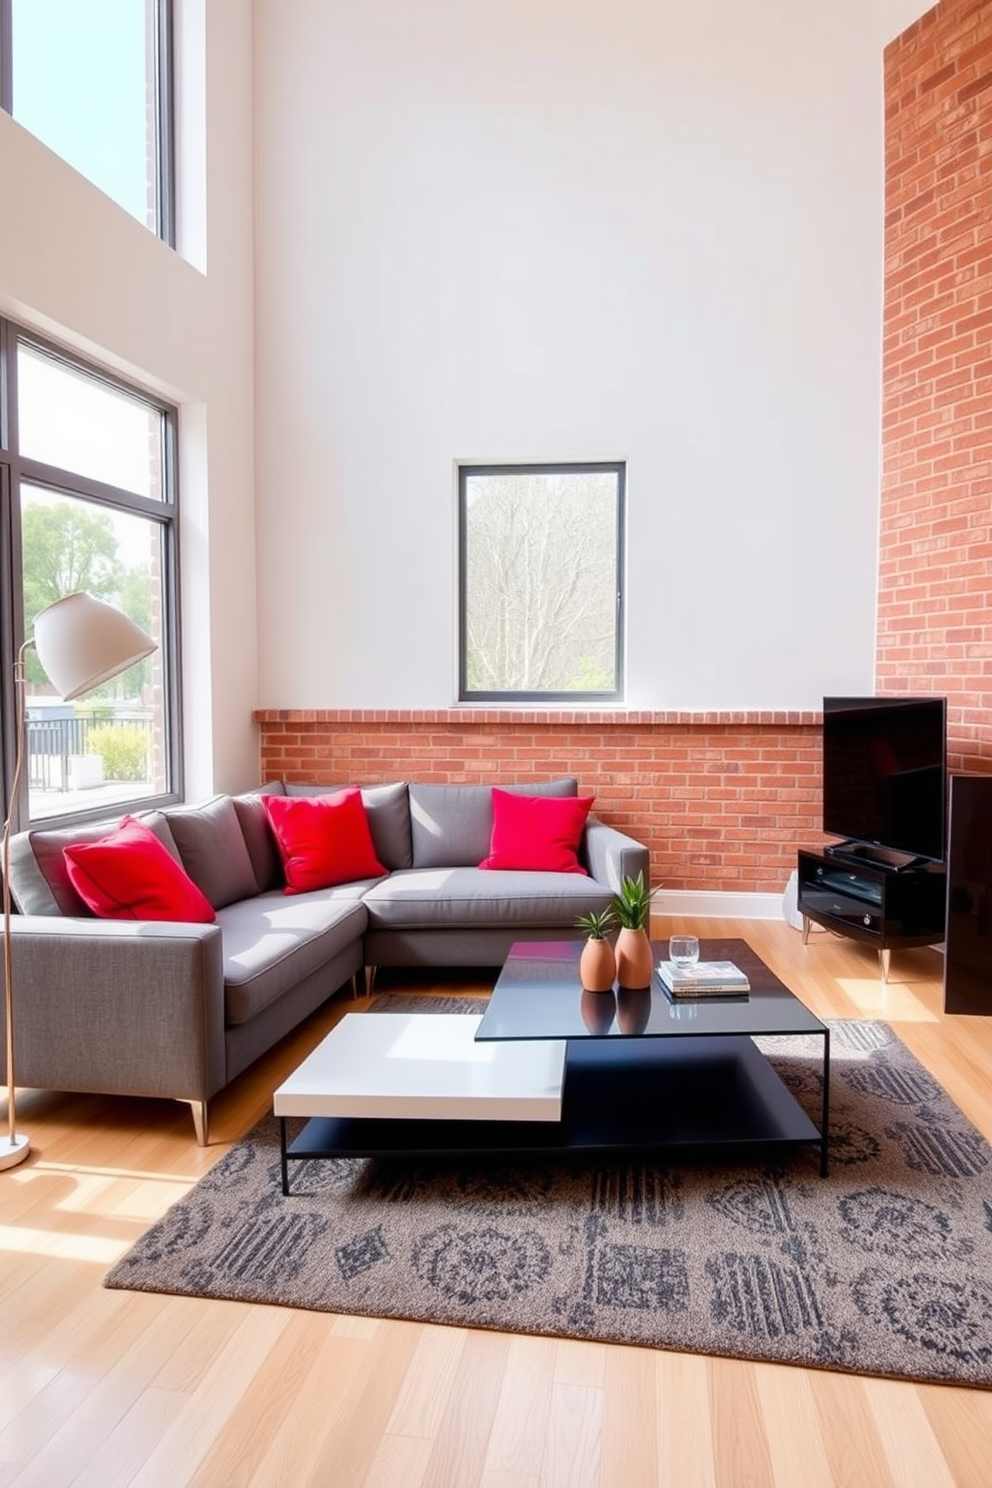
150 1008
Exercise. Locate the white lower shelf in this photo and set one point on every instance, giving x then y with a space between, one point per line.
425 1067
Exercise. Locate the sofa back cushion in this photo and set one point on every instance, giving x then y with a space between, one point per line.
39 878
388 810
213 850
537 834
324 840
451 825
130 875
259 837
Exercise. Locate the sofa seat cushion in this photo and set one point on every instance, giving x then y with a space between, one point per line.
274 941
457 898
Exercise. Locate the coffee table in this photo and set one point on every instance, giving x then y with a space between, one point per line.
550 1068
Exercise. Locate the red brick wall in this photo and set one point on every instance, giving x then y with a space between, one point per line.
722 800
935 580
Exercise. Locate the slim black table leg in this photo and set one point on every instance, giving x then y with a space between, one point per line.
282 1155
825 1113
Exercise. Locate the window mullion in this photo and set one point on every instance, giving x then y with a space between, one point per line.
165 114
53 478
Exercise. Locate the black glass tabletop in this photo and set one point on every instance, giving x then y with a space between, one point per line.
539 996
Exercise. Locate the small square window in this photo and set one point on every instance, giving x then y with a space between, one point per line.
540 585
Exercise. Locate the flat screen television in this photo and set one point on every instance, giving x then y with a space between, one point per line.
885 774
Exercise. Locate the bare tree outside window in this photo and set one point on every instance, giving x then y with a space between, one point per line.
540 580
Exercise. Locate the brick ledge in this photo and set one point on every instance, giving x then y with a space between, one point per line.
544 717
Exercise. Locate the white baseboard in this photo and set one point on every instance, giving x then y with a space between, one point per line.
717 906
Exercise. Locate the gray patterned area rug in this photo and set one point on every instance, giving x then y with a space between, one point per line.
884 1267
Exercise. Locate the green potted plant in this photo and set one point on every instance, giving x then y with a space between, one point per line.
597 963
632 908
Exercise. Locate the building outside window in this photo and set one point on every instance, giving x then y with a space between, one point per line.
89 476
540 582
92 79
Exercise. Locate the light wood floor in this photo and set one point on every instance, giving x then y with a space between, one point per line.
105 1388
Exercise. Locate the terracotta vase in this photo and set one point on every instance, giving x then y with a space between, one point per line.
597 966
634 959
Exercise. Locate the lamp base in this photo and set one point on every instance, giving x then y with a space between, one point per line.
13 1150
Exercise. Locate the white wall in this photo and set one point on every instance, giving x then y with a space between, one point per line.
78 267
588 231
893 17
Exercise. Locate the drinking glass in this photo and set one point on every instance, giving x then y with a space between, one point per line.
683 951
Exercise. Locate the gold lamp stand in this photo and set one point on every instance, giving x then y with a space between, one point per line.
14 1147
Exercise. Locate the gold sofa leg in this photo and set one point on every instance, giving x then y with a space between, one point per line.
200 1120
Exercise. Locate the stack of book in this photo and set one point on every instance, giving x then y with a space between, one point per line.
705 979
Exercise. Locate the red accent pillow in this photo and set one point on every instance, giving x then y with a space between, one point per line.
323 840
131 875
537 833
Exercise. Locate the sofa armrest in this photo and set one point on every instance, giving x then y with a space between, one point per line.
122 1007
612 856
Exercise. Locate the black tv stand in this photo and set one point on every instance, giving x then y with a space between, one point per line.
882 904
875 855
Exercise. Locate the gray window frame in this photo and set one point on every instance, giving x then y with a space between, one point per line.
165 108
15 469
566 467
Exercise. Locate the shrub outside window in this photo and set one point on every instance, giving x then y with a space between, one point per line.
540 587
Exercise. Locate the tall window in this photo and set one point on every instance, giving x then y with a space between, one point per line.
93 80
540 581
88 477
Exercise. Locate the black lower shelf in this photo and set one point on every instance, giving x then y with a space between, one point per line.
698 1094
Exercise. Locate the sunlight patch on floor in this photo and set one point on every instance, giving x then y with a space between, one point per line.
144 1205
182 1180
61 1244
873 998
20 1385
75 1189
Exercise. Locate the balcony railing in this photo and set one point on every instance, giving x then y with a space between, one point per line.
61 752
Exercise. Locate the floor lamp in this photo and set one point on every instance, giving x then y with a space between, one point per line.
80 642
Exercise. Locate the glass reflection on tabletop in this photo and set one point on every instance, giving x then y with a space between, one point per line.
633 1009
598 1010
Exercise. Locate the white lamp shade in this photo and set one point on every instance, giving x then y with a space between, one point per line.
81 642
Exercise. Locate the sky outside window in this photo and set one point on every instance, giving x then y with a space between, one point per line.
82 81
78 423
